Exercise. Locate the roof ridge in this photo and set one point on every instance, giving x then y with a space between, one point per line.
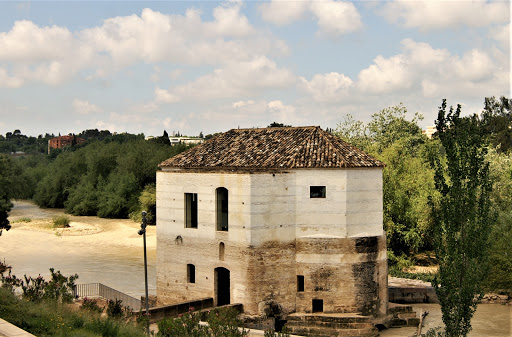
271 128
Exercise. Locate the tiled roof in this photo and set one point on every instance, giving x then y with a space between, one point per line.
272 148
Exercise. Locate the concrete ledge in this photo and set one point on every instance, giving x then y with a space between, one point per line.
9 330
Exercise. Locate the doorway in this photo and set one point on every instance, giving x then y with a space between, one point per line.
222 286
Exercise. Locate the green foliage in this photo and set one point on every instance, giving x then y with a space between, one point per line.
273 333
58 289
462 218
496 121
115 308
147 202
103 178
407 177
221 323
90 305
61 221
50 318
24 219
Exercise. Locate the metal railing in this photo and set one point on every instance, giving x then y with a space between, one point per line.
101 290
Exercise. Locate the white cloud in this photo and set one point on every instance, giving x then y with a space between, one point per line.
283 12
235 79
327 87
54 54
446 14
280 111
84 107
386 75
240 104
333 17
144 107
336 17
164 96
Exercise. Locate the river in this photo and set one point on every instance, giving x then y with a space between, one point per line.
113 256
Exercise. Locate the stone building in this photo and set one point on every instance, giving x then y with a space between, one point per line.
289 215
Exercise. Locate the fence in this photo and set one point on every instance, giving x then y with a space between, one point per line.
101 290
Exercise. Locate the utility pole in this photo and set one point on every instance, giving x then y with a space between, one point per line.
142 232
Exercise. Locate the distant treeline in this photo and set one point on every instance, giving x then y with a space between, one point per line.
104 177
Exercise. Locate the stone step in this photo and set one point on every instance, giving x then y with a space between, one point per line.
407 315
319 332
331 325
334 319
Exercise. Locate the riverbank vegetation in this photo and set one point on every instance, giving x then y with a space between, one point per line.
409 186
45 309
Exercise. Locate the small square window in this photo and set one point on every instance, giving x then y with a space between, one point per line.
300 283
317 191
318 305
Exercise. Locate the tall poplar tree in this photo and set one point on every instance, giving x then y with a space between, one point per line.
462 218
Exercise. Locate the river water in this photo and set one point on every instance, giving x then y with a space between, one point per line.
114 257
490 320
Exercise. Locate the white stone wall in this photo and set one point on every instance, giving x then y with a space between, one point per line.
268 212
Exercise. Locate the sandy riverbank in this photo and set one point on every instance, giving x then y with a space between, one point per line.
96 231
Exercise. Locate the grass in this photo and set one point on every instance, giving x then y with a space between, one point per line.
47 319
61 221
21 220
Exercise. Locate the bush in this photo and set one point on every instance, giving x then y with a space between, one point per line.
221 323
61 221
91 305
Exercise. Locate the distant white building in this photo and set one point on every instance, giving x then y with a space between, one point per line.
429 131
291 215
185 140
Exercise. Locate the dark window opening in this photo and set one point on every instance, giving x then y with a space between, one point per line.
300 283
222 208
318 305
317 191
222 247
191 210
191 273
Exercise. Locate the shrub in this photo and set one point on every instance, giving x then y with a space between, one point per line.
91 305
21 220
61 221
115 308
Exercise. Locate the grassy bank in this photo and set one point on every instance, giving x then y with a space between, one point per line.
48 318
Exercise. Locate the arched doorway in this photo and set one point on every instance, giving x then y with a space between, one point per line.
222 286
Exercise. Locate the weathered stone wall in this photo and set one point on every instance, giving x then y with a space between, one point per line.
343 272
276 232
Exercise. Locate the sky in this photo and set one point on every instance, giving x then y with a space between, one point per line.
208 66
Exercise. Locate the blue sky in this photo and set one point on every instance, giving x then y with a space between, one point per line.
209 66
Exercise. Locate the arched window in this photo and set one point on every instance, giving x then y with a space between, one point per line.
222 208
221 251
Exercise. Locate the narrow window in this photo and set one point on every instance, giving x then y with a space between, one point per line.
300 283
222 208
318 305
191 273
221 251
191 210
317 191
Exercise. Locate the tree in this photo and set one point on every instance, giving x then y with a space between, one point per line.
462 218
7 183
496 120
277 125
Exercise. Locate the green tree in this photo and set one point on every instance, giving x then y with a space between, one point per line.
9 188
407 177
462 218
496 120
